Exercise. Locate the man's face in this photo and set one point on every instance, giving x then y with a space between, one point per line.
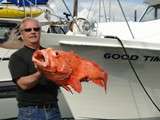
30 32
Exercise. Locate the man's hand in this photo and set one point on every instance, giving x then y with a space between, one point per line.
39 69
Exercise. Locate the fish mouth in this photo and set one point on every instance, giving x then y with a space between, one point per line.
39 56
40 59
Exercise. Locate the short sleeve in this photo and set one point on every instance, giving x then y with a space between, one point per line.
17 67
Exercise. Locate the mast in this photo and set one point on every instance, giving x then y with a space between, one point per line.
109 19
75 9
24 8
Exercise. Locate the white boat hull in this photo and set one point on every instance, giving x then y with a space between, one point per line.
125 98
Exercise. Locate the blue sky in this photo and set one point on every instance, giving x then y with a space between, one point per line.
84 5
70 2
137 1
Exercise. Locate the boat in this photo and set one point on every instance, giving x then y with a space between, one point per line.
22 3
132 64
14 13
130 55
13 9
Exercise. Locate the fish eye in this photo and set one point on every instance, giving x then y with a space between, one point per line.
56 54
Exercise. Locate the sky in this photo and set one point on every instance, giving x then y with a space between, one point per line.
112 9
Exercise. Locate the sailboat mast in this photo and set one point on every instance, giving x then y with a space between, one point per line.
24 8
109 19
99 10
75 9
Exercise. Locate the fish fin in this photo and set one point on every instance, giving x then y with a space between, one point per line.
105 78
67 88
102 82
98 82
75 83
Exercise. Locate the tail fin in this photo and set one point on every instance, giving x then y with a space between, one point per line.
105 79
67 88
102 81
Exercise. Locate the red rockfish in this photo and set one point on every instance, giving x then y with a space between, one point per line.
67 68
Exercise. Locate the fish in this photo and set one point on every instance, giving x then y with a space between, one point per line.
68 69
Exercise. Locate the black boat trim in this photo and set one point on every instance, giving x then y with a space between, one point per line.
7 89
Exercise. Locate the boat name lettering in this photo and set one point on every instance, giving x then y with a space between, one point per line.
118 56
131 57
152 58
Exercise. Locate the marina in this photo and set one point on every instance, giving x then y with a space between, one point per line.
128 51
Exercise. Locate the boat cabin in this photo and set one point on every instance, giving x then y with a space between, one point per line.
151 13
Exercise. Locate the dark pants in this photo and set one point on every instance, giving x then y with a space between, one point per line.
36 113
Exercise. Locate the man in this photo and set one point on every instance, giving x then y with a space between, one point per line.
36 95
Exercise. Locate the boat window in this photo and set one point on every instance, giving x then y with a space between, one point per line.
149 14
7 26
58 29
158 13
152 13
4 29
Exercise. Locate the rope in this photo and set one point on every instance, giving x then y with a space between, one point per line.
90 8
113 37
125 19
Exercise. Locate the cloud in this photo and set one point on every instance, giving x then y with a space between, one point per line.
91 11
112 10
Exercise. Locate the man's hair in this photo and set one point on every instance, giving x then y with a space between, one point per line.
29 18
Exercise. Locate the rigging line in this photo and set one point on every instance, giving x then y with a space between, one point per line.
110 5
72 16
43 10
90 9
114 37
104 11
99 10
50 6
126 19
68 9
